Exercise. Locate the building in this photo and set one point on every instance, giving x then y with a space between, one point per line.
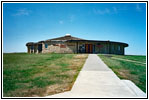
70 44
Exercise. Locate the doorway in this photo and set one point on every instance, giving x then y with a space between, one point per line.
39 48
89 48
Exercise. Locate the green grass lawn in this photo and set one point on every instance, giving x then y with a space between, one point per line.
132 57
39 74
128 70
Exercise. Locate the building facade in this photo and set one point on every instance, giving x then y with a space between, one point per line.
69 44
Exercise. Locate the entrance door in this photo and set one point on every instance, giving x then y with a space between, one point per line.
39 48
88 48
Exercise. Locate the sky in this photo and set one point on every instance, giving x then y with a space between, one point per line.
33 22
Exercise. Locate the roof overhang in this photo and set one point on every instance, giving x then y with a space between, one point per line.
56 40
124 44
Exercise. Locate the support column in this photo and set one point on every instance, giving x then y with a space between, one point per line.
33 51
37 49
77 47
109 47
30 49
123 50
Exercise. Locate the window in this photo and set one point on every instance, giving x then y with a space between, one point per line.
46 45
119 48
112 47
98 43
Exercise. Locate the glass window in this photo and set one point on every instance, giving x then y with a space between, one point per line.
119 48
46 45
112 47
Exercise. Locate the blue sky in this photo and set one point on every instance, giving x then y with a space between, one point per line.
32 22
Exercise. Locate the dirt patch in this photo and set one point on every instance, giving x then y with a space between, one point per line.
80 56
57 88
124 73
34 92
108 56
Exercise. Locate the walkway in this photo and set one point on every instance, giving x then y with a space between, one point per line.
97 80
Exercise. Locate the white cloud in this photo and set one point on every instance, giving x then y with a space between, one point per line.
71 18
101 12
112 10
115 10
138 8
61 22
22 12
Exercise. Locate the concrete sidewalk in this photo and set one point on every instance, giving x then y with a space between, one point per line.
97 80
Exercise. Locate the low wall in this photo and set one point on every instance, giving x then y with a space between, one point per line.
59 48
